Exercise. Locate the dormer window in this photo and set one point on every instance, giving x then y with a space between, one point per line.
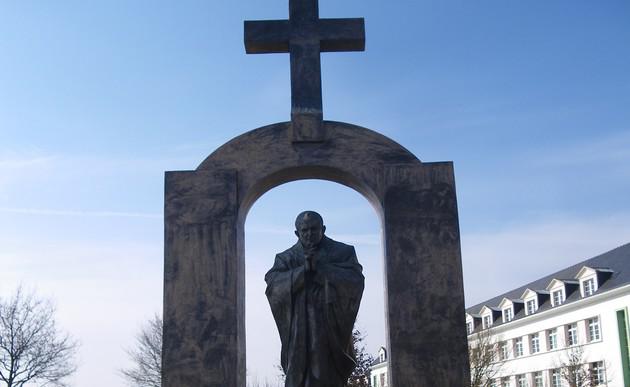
382 355
533 299
557 297
488 316
530 306
487 322
561 289
588 287
591 278
509 308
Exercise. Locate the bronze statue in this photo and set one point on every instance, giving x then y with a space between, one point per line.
314 289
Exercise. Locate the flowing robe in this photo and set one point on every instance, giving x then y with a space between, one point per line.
315 313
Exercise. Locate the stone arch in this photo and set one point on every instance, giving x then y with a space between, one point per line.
205 211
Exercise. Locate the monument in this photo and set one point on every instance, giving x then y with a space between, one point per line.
205 212
314 290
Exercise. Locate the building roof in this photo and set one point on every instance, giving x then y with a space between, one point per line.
617 261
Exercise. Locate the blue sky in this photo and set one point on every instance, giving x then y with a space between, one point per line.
97 99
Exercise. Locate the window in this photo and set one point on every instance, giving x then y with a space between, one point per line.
552 339
487 321
572 334
530 307
374 381
534 343
593 329
556 380
538 379
521 381
558 297
469 327
503 350
598 374
505 382
508 314
588 287
383 379
518 347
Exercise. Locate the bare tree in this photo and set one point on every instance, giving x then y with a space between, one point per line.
32 349
264 383
146 356
485 360
147 360
574 370
361 375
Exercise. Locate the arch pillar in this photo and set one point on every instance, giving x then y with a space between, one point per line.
204 276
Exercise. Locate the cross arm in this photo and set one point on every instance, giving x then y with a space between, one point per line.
342 34
266 36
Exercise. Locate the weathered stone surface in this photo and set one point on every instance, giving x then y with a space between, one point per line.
201 310
424 293
304 36
205 210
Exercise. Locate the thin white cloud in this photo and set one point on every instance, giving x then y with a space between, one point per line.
18 164
614 148
8 162
48 212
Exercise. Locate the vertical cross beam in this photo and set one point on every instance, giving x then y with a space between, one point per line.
304 36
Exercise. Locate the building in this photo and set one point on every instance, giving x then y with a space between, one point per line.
378 370
581 311
577 317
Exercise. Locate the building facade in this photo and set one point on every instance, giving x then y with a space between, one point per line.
572 322
378 370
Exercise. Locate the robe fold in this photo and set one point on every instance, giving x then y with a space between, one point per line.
315 313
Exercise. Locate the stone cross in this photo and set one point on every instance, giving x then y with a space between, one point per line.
304 36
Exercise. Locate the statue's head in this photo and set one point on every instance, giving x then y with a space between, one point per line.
309 228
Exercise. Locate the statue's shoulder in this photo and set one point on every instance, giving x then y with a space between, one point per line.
339 247
292 251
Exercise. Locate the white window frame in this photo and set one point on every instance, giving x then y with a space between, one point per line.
508 314
521 380
572 337
533 302
487 321
504 350
561 299
469 327
556 378
552 339
538 379
594 329
588 290
518 347
534 343
598 372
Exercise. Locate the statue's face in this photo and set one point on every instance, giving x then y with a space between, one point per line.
310 231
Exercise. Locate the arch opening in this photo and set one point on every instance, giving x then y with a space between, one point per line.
321 173
269 230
